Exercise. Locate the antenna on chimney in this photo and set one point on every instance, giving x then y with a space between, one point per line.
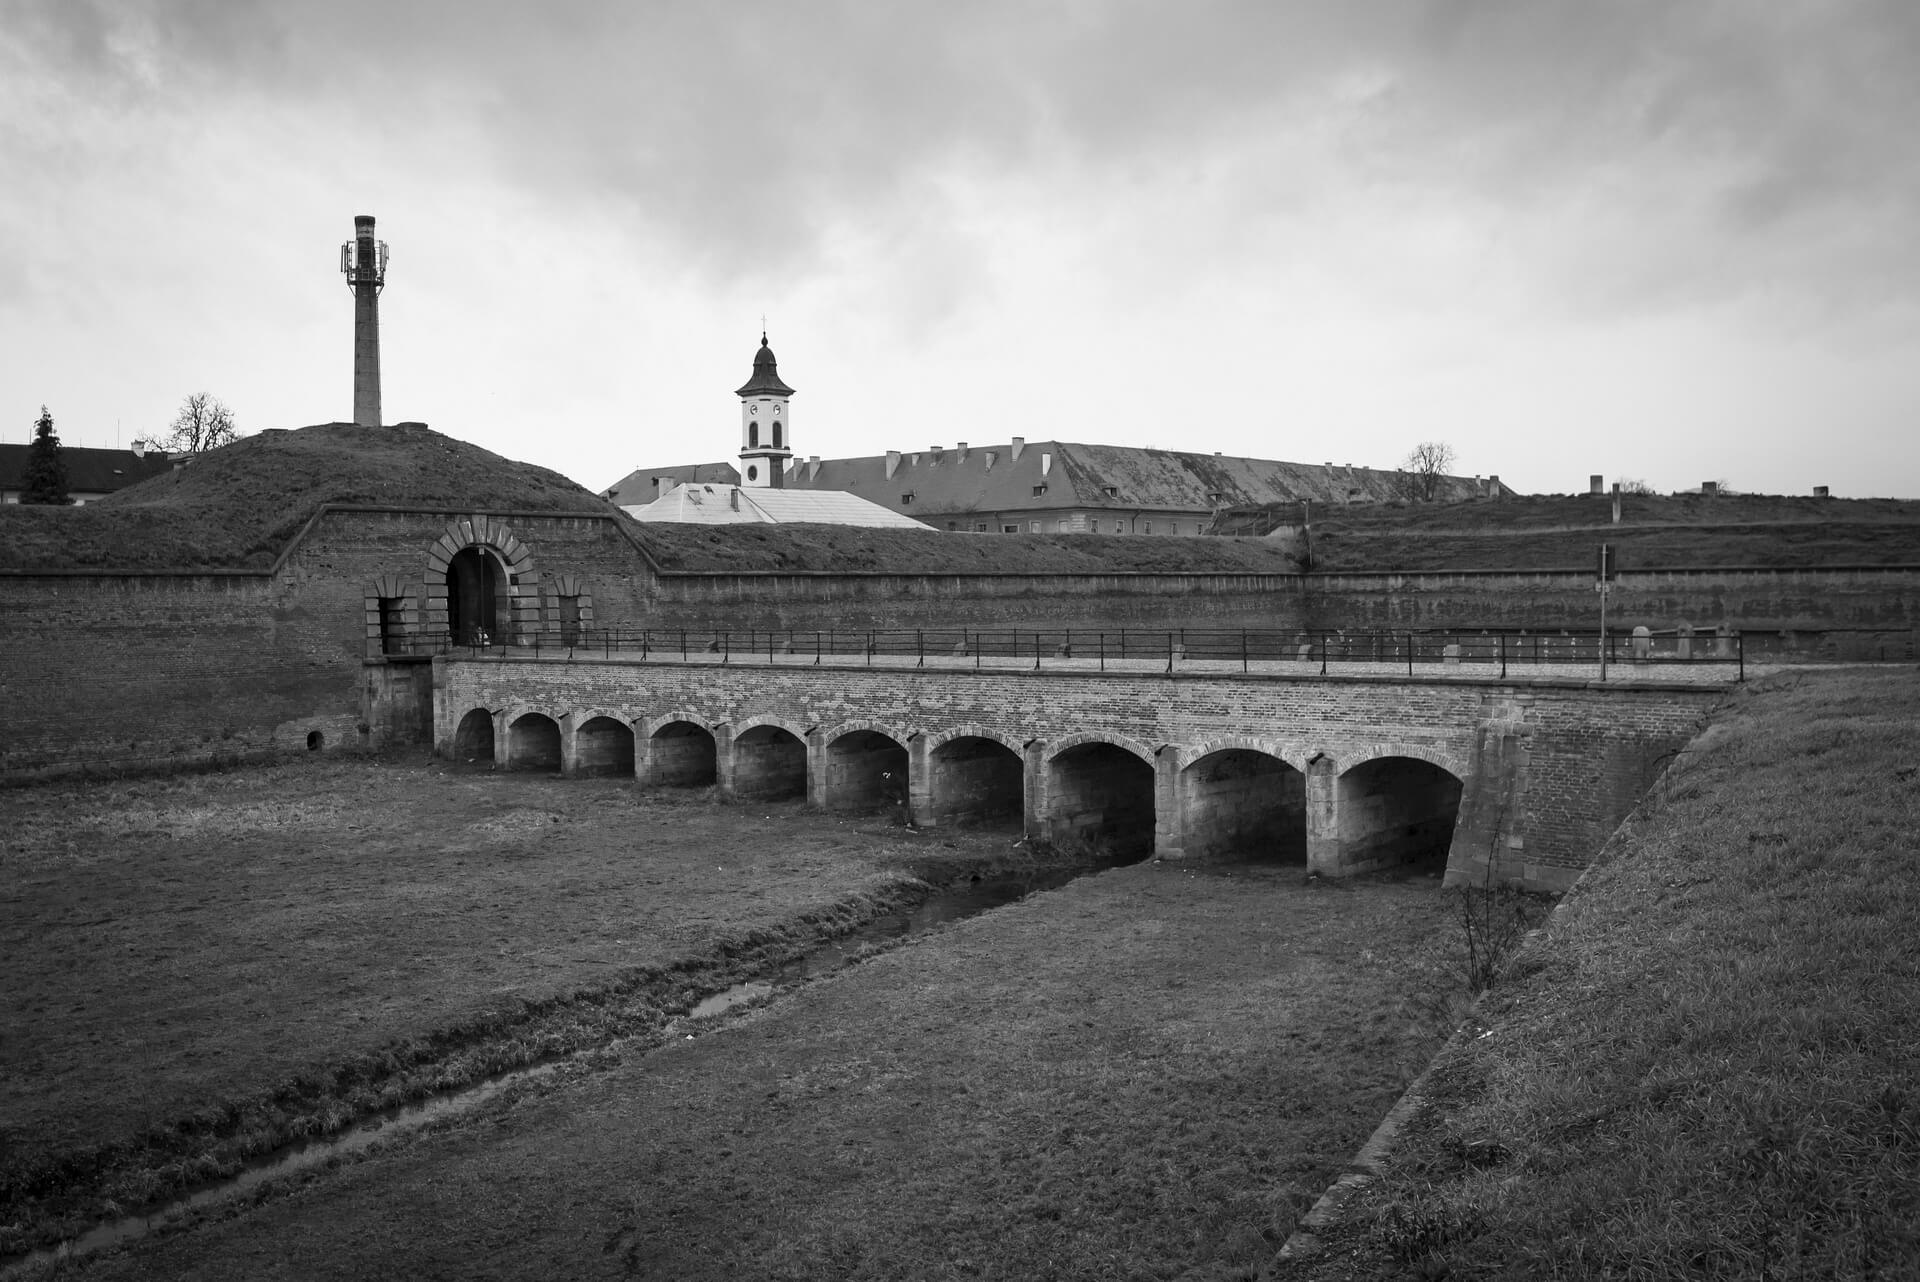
364 262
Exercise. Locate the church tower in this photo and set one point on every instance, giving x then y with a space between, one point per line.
765 430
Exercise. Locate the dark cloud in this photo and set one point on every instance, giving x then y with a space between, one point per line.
748 133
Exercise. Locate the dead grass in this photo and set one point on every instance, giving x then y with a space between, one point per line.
1148 1073
238 507
1672 532
208 964
1709 1069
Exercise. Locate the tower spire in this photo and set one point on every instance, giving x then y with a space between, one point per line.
765 442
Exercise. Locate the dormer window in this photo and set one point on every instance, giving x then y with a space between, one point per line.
1216 497
1039 490
906 498
1111 491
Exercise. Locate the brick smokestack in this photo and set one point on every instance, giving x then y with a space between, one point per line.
365 263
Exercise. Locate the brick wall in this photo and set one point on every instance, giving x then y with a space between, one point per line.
1549 768
118 670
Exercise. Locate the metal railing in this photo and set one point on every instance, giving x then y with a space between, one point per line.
1205 649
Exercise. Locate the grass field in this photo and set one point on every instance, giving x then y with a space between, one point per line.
1147 1073
201 967
1709 1069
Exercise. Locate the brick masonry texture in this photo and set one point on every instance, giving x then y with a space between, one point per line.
107 671
1550 770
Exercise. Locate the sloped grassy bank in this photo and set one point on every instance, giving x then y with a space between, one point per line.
203 969
1708 1066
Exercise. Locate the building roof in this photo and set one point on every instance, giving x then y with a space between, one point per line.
643 485
89 471
1050 475
766 375
736 504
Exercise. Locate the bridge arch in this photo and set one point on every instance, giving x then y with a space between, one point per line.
1355 755
677 749
603 742
767 759
863 766
1066 743
1242 802
972 775
1100 792
533 741
1185 755
1397 808
473 736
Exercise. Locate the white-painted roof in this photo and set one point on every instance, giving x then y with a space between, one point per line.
709 504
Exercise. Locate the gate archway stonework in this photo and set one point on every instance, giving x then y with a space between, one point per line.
493 536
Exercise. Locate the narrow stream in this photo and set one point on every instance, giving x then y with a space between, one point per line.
966 899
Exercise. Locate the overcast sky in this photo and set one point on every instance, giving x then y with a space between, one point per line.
1673 240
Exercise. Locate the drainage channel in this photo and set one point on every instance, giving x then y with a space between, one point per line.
967 899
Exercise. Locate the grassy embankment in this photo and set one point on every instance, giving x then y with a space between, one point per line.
1709 1068
204 967
1147 1073
1656 532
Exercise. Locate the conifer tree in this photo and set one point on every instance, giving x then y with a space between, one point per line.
46 478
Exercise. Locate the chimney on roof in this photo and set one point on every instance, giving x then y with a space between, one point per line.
1820 492
991 456
936 453
1046 462
963 451
813 466
1596 484
1019 444
893 463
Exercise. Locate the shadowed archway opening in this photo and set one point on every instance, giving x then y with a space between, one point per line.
473 739
603 746
681 754
533 743
978 782
1397 811
1242 804
478 604
1101 796
769 764
866 770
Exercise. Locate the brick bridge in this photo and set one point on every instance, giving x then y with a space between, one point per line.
1522 779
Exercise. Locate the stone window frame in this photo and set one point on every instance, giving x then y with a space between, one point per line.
390 587
493 536
566 585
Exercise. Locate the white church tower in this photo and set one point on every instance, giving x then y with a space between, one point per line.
765 428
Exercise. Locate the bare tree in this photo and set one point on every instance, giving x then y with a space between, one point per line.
1633 485
1425 466
203 423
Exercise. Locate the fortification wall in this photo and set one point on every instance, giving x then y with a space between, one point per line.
124 670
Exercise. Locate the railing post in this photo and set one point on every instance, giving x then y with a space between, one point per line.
1409 654
1243 651
1103 652
1503 656
1036 649
920 644
1323 654
816 647
1740 649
